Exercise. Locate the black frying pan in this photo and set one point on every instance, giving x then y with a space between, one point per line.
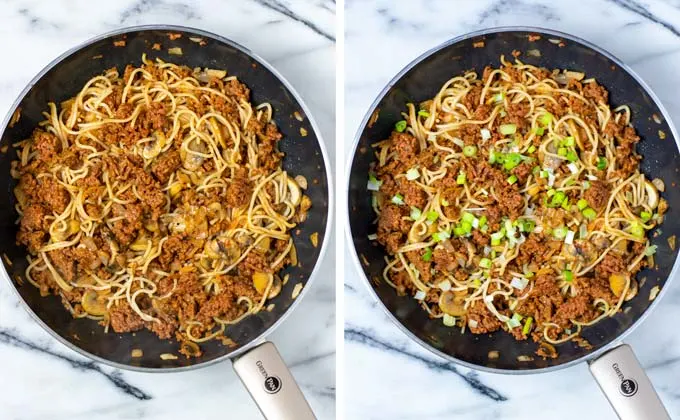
421 80
62 79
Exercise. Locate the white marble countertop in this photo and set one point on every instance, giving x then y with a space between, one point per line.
387 376
40 379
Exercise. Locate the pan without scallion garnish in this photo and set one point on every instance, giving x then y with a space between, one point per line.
513 200
156 199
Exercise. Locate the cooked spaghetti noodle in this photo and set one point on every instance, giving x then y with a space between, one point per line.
515 202
157 200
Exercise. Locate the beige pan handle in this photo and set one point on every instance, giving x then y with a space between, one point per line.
272 386
626 385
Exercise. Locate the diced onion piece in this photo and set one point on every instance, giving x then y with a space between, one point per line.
519 283
650 250
373 184
569 239
449 321
420 295
583 231
458 142
551 179
488 298
573 168
412 174
493 354
472 323
373 237
591 177
486 134
444 285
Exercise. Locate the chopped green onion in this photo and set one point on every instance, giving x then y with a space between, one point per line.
572 156
514 322
583 231
566 205
528 225
527 326
427 256
432 215
459 231
449 321
511 160
469 151
496 238
550 192
499 97
601 163
586 185
482 221
445 202
544 174
493 156
485 263
373 183
467 217
557 198
512 179
539 131
637 230
412 174
507 129
568 276
545 119
531 149
650 250
645 216
582 204
400 126
440 236
568 141
562 151
536 170
589 213
461 178
415 213
372 236
467 227
398 199
423 113
560 232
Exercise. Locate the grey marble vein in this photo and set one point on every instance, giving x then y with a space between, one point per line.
280 7
115 377
640 9
471 378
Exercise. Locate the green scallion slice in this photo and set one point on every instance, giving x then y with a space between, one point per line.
582 204
589 213
400 126
398 199
427 256
469 151
507 129
512 179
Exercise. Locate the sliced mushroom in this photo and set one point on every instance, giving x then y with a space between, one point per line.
301 181
658 183
652 195
93 304
451 304
617 282
154 147
72 228
295 193
191 349
632 290
140 244
193 161
276 288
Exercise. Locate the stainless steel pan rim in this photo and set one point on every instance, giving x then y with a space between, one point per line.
322 252
357 137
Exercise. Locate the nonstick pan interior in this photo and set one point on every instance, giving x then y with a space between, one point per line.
421 81
304 156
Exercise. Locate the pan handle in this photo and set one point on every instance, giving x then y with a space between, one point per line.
271 384
626 385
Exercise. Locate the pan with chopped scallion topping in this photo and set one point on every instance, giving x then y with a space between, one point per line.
512 204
